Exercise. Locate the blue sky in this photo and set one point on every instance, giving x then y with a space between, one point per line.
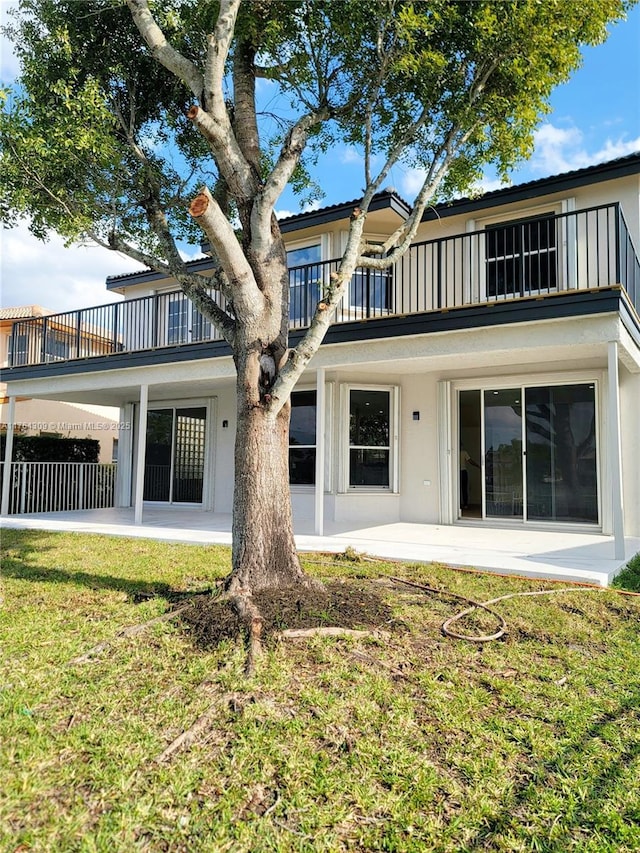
595 117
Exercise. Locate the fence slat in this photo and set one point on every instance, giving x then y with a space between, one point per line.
61 486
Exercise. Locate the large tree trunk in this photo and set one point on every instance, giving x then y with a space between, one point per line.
264 551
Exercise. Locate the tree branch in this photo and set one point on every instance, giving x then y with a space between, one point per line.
161 50
280 174
308 346
245 123
219 44
209 216
235 170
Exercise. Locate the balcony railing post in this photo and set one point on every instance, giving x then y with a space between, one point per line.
154 310
78 335
114 339
618 247
13 344
43 342
439 273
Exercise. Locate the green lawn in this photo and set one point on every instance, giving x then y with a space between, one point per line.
405 741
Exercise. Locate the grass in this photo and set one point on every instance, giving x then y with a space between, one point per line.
410 742
629 577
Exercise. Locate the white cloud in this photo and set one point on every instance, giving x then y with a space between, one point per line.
9 66
285 214
351 156
307 208
411 182
53 276
558 149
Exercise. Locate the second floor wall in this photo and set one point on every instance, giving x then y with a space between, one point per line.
510 245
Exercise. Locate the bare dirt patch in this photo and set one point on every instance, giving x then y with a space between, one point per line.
344 604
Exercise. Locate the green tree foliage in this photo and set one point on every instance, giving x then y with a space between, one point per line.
45 448
95 122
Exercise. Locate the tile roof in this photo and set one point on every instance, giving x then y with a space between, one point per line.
389 197
22 312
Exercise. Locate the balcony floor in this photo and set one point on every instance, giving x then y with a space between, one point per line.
559 555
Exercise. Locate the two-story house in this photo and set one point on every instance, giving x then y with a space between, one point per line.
507 336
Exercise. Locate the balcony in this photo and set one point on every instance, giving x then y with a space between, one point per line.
566 253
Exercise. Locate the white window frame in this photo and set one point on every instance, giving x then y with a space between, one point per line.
328 420
394 417
321 240
565 235
349 300
597 378
208 403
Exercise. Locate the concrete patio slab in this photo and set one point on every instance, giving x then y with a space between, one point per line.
585 557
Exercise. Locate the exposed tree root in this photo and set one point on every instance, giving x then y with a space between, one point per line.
126 632
132 630
192 733
251 617
303 633
234 703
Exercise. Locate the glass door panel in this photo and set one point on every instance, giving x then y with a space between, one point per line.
175 455
470 477
561 453
188 466
503 453
157 466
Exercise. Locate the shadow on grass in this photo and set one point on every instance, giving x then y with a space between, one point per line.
30 544
586 810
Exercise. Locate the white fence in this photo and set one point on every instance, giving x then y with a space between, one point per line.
60 486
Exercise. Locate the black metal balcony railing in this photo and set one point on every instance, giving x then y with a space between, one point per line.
575 251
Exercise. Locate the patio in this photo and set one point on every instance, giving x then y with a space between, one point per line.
554 555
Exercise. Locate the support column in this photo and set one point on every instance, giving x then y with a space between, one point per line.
124 475
614 450
320 422
141 447
8 456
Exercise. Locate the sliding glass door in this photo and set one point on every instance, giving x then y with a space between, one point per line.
561 454
529 453
503 453
175 455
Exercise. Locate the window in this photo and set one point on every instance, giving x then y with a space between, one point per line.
56 347
305 275
561 460
369 438
302 439
371 291
200 326
520 257
178 312
18 349
184 322
175 455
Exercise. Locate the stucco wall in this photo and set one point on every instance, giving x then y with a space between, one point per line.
630 430
34 417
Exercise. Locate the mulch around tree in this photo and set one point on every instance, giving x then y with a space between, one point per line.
345 604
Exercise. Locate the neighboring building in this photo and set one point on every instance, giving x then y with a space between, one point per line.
49 417
510 329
